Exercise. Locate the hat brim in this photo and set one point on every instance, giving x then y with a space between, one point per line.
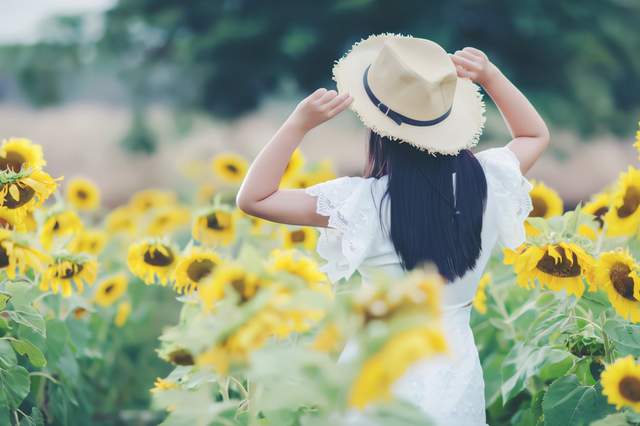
460 130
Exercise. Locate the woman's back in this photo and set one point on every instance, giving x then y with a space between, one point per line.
359 219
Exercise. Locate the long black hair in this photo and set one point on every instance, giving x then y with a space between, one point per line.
430 222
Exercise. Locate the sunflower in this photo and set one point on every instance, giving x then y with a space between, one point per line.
230 167
560 266
621 383
193 268
111 289
215 226
294 166
66 269
25 190
329 339
226 277
598 207
122 220
17 258
623 218
161 385
83 194
122 313
167 220
90 241
152 260
80 312
9 220
480 300
58 224
322 173
379 372
143 201
300 266
300 238
546 203
617 274
18 154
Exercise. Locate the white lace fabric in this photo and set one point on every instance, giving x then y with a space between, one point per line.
449 389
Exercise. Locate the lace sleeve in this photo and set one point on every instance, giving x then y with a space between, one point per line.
348 203
511 192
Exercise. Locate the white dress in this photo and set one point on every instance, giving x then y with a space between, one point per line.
449 389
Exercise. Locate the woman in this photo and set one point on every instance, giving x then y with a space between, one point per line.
424 197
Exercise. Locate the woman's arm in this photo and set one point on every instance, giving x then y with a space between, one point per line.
259 194
528 130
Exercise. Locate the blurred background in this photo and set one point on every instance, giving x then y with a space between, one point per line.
132 93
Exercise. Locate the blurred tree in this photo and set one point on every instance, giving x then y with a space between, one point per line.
577 60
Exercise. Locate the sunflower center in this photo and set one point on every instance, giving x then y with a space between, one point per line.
598 215
232 168
82 194
199 269
4 257
630 203
108 289
181 357
298 236
630 388
5 224
239 285
564 268
25 192
622 282
13 161
216 222
69 271
540 207
156 258
56 225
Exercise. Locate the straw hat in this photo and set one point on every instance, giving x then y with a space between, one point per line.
407 89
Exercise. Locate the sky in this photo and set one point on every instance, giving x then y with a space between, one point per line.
20 19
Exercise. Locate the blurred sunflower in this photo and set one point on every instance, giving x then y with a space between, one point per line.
546 204
122 313
228 277
67 269
83 194
80 312
322 173
167 220
8 220
122 220
636 144
90 241
328 339
58 224
621 383
300 266
193 268
294 166
480 300
379 372
560 266
17 154
617 274
111 289
205 193
623 218
17 258
161 385
230 167
25 190
304 238
215 226
152 260
143 201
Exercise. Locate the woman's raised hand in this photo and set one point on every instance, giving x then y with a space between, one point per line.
318 107
474 64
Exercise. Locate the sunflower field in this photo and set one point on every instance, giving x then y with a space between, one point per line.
178 309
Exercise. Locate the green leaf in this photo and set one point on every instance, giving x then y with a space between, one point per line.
57 337
567 403
29 317
4 299
22 293
7 355
617 419
35 355
625 336
14 385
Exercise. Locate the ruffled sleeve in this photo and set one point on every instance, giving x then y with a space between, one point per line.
349 204
511 194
